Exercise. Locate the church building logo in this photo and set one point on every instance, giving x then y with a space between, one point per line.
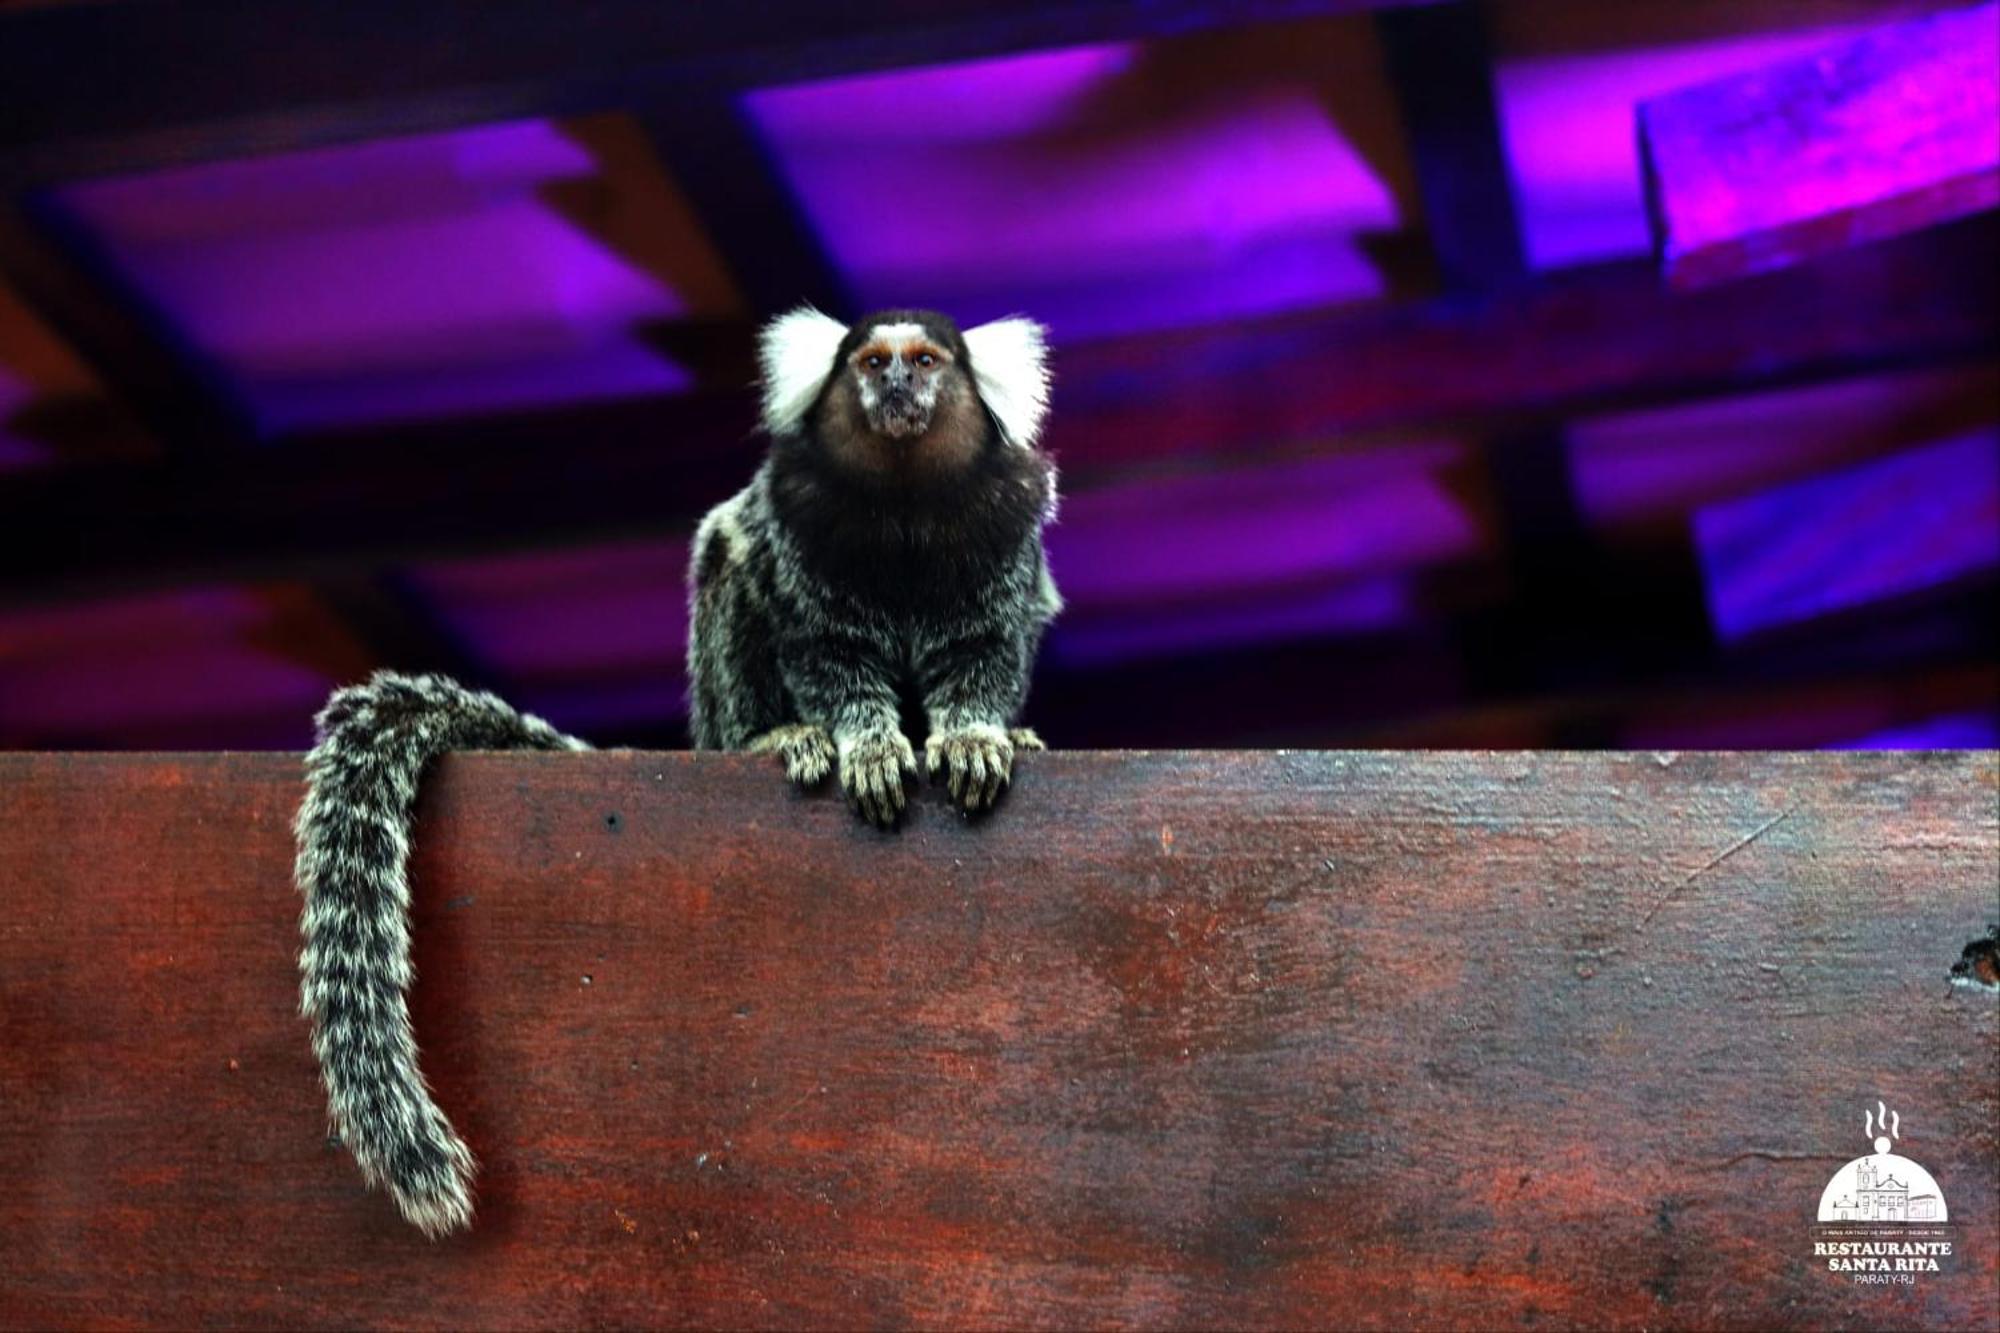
1882 1218
1882 1187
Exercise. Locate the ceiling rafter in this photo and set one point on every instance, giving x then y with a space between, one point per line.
190 409
196 81
1610 340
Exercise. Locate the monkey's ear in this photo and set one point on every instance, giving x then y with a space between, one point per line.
1010 364
796 353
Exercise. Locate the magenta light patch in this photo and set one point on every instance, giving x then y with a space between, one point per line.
1569 127
1227 533
16 397
1005 185
595 609
1892 132
1367 606
128 666
1904 524
1972 730
402 278
1663 463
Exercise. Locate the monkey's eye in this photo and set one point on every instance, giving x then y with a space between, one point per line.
926 360
877 361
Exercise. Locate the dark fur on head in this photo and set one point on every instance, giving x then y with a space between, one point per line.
911 516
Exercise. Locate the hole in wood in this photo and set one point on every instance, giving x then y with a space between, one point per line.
613 822
1979 964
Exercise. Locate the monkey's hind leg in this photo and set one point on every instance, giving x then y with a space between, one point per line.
806 748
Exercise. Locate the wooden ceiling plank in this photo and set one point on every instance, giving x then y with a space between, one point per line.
738 190
68 278
1609 340
1893 132
1566 621
188 404
226 78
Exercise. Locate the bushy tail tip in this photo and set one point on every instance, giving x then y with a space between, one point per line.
375 741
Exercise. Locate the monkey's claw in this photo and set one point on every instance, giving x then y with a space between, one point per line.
1025 738
804 746
872 770
976 763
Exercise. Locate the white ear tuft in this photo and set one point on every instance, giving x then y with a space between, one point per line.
795 352
1010 363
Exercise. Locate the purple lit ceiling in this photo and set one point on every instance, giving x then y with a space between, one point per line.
39 377
595 636
167 671
1142 188
1898 526
484 269
1110 189
1568 115
1117 191
1635 469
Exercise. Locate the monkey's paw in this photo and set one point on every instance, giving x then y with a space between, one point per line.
976 762
872 769
804 746
1025 738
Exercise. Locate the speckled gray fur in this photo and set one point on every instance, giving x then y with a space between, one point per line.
374 742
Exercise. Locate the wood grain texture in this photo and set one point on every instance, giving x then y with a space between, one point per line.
1187 1040
1895 131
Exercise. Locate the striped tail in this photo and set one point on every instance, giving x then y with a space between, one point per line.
374 741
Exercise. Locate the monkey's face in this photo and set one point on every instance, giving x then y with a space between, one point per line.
899 374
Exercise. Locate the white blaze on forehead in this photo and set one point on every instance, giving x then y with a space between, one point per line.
899 337
902 341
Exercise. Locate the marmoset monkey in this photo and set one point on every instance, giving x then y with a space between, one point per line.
885 562
889 552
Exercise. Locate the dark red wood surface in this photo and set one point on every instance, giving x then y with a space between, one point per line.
1894 131
1286 1039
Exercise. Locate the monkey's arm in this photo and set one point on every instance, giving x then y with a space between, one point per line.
974 683
842 679
974 675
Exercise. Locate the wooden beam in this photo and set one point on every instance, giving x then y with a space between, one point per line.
400 628
1573 615
1901 526
1202 1040
225 78
1895 131
1602 339
1598 341
64 274
1345 689
188 404
738 190
1441 71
